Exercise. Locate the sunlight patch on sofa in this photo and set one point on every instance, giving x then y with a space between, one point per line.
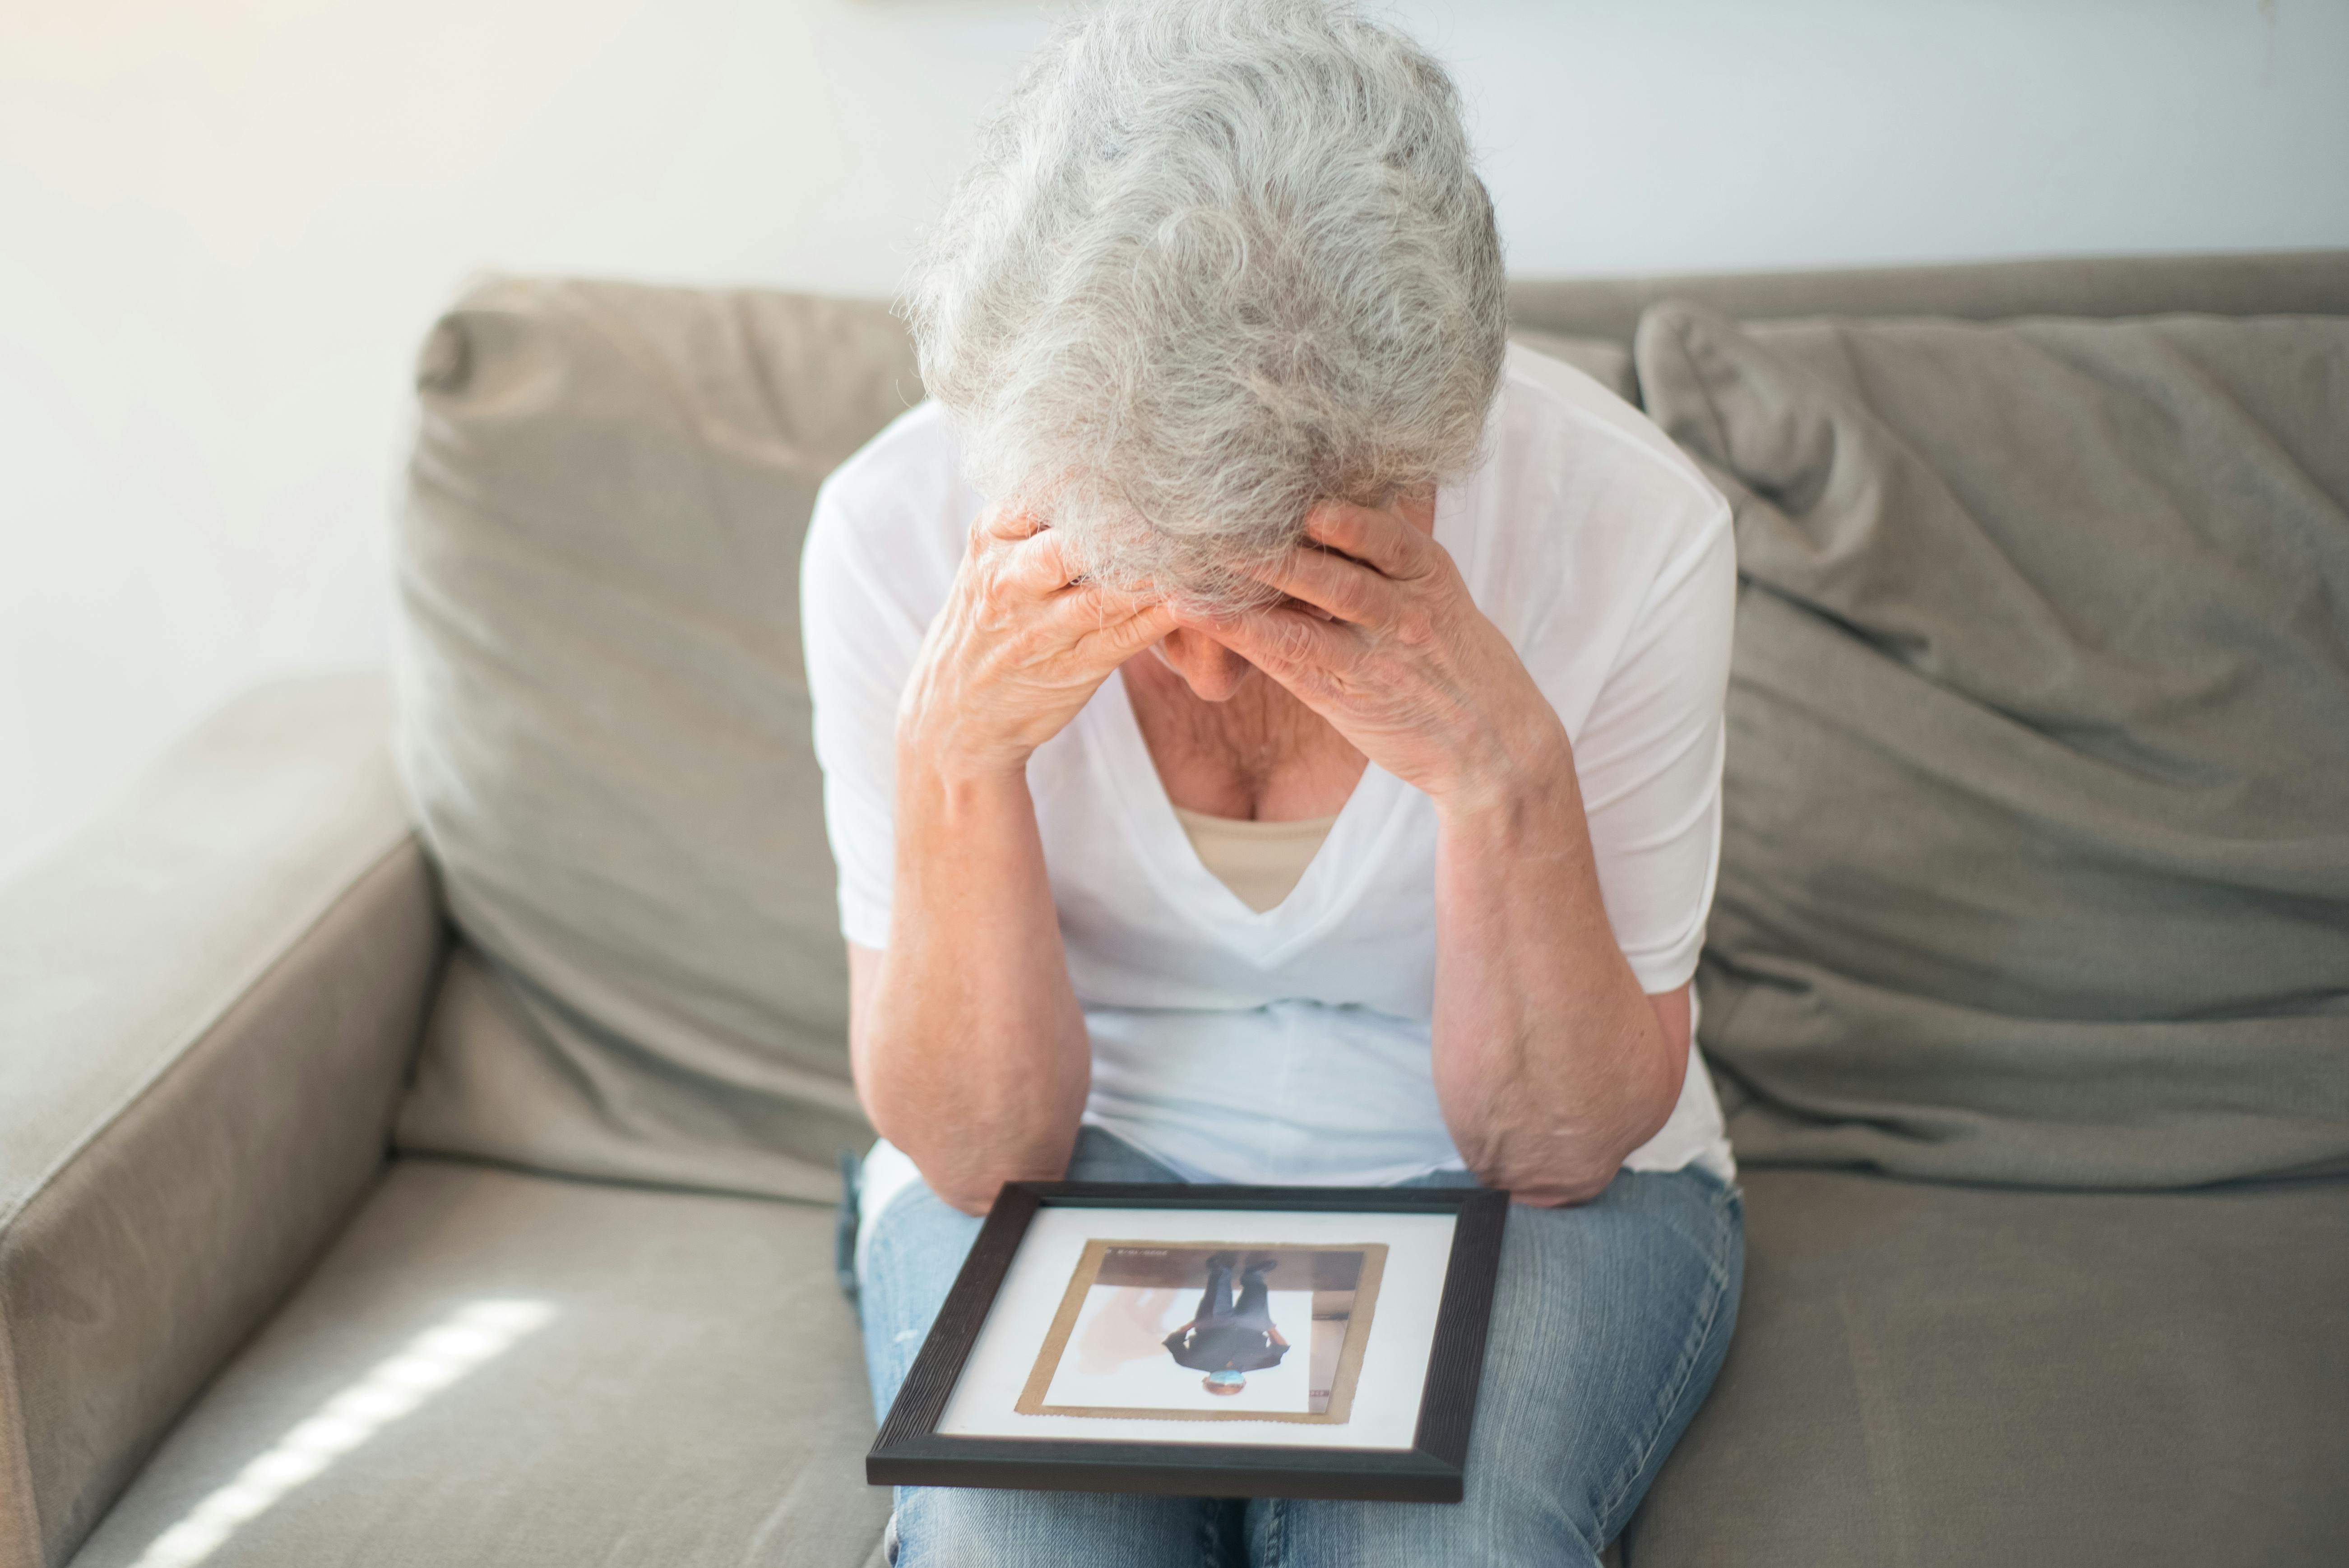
427 1363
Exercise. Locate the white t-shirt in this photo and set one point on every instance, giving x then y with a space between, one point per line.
1292 1046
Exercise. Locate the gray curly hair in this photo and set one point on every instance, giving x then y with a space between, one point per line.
1218 260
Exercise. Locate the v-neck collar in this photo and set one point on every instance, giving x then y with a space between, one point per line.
1333 881
1348 858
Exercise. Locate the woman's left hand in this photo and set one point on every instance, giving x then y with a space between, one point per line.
1549 1063
1379 637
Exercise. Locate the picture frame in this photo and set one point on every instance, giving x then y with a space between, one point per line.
1045 1369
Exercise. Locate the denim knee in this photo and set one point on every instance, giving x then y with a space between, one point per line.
949 1527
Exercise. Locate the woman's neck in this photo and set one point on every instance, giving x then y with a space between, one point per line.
1258 755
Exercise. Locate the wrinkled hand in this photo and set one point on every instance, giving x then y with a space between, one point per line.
1021 644
1379 635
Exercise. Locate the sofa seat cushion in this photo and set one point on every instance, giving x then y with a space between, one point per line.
496 1368
1926 1374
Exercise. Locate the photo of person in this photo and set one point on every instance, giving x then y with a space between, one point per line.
1208 1332
1228 1339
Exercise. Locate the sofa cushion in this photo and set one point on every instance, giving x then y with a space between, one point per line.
2036 862
604 723
500 1368
1926 1375
2280 282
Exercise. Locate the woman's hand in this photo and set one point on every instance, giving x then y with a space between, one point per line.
1549 1063
968 1046
1021 644
1379 635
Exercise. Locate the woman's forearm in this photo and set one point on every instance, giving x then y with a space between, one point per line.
972 1056
969 1049
1550 1064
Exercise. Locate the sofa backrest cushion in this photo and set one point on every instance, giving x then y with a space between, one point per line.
2036 836
2281 283
605 726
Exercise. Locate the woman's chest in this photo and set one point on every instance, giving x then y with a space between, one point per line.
1145 924
1258 756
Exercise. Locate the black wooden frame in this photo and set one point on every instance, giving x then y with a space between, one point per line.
910 1451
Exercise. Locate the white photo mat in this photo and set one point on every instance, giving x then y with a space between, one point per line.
1393 1372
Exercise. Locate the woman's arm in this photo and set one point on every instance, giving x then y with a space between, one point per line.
1550 1062
968 1044
968 1047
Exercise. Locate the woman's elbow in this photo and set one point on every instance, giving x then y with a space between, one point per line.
967 1171
977 1201
1652 1092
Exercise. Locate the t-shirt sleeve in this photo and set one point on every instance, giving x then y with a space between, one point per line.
862 636
1649 754
1649 573
1608 558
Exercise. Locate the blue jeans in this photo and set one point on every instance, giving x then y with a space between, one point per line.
1610 1322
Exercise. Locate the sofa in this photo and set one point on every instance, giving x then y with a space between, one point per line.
421 1100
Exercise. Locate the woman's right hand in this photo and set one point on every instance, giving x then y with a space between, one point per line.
969 1044
1022 644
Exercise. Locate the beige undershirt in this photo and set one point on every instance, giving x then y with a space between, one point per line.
1259 861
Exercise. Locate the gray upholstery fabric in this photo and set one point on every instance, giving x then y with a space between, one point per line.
694 1398
2035 861
607 729
2313 283
604 724
206 1008
1927 1375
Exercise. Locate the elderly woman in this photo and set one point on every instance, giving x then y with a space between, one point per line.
1272 733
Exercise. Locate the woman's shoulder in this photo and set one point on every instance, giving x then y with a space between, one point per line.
1581 519
889 531
1577 487
904 476
1553 416
901 502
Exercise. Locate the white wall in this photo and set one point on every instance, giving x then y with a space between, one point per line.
223 229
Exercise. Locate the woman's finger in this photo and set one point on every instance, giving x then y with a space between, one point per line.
1382 540
1004 520
1038 564
1282 641
1117 639
1089 604
1345 588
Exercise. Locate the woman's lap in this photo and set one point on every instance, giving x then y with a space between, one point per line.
1610 1322
915 1250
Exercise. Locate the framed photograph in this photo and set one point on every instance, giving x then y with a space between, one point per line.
1207 1342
